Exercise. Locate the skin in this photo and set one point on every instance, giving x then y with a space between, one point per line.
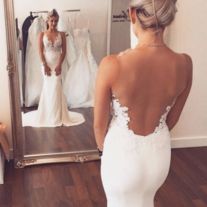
144 81
52 34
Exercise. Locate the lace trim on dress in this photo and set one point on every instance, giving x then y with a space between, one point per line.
121 115
53 46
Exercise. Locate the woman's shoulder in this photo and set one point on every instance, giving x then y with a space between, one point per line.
63 34
113 62
188 65
185 61
127 51
184 57
41 35
188 59
109 67
114 59
109 61
182 60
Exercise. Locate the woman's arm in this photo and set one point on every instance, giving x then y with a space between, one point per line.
62 56
41 48
105 78
176 110
41 53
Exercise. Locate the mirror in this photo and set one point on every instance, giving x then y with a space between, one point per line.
87 28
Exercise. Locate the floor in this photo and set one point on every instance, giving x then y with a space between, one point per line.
61 139
79 185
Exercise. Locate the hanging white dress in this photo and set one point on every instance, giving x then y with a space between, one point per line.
19 61
34 80
52 110
79 83
71 54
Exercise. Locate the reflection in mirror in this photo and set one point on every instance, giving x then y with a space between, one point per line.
58 54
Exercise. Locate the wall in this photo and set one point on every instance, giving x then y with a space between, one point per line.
93 10
191 38
187 34
120 26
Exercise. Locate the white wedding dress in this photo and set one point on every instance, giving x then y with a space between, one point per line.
52 110
34 80
65 26
133 167
79 83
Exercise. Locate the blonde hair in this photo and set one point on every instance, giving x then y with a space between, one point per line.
154 14
52 13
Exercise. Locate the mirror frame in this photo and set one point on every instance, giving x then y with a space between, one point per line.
20 159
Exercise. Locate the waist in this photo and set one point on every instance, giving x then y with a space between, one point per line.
52 51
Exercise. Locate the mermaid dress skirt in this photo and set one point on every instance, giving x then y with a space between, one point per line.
133 167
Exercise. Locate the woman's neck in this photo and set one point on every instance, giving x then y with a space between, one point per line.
151 38
52 30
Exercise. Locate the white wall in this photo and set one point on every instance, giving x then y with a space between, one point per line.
188 34
95 11
4 87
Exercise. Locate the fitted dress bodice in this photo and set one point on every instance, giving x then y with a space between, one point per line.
52 50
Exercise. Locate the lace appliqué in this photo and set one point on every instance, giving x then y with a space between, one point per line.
55 46
120 114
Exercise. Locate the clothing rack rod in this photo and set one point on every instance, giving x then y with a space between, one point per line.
37 12
72 10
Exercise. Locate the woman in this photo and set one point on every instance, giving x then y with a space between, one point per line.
148 87
52 110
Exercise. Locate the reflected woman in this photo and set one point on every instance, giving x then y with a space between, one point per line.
52 110
148 87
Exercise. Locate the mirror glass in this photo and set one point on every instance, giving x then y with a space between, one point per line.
57 109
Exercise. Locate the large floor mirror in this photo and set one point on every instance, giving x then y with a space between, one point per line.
91 28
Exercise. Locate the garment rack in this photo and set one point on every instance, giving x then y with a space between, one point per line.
72 10
69 10
37 12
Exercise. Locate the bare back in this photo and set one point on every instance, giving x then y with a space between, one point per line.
147 80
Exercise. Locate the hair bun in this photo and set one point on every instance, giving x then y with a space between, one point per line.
155 13
52 13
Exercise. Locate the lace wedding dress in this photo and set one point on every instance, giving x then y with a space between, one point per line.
133 167
52 110
34 80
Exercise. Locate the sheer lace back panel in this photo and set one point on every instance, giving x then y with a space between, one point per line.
55 46
121 116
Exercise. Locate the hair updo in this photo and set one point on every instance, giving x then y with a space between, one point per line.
154 14
52 13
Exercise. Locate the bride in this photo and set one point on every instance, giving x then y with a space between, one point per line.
52 110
